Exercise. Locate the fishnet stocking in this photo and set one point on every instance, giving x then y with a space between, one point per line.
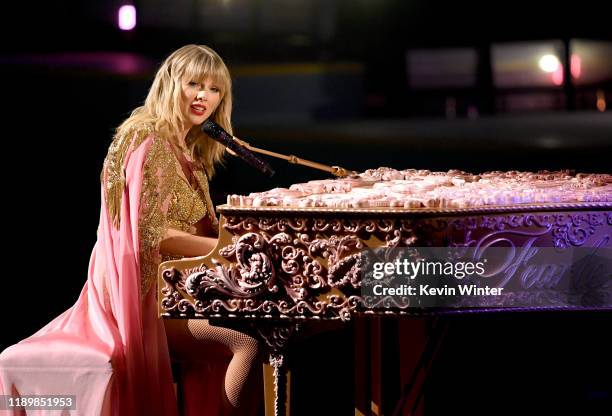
197 340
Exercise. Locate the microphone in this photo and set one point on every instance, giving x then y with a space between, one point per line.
217 133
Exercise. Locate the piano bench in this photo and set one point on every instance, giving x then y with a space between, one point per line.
28 369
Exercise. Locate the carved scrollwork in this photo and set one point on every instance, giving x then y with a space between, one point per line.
386 302
276 337
574 229
566 229
346 271
252 275
302 267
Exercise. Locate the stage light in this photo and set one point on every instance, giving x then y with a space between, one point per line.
127 17
549 63
601 100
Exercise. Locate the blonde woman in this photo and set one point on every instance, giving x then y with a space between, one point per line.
110 351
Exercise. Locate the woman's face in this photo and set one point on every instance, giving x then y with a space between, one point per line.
200 100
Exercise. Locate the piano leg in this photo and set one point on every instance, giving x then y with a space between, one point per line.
276 337
270 390
377 375
362 386
416 362
384 348
391 353
281 387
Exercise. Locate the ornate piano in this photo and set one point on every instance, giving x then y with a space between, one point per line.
283 263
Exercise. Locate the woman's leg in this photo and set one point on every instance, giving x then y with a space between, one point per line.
188 339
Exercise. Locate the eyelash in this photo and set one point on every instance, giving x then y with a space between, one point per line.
193 83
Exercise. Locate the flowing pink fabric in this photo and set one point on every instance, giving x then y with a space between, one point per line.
111 353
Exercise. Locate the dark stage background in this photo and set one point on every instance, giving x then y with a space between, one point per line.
328 81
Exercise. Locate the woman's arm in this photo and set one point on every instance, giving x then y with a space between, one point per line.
181 243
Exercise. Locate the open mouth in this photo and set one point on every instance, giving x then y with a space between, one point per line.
198 110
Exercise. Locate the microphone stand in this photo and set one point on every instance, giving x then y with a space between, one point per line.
337 171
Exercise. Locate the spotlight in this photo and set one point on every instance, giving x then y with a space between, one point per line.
127 17
549 63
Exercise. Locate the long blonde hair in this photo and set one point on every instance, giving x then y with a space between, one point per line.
162 107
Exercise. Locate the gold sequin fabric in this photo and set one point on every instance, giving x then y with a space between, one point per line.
187 207
113 170
167 200
158 182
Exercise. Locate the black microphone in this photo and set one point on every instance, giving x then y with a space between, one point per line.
217 133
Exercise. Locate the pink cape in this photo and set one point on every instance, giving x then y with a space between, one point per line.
112 353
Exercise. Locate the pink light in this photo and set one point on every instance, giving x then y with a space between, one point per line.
557 76
127 17
576 66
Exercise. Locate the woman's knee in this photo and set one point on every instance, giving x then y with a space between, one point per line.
250 346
